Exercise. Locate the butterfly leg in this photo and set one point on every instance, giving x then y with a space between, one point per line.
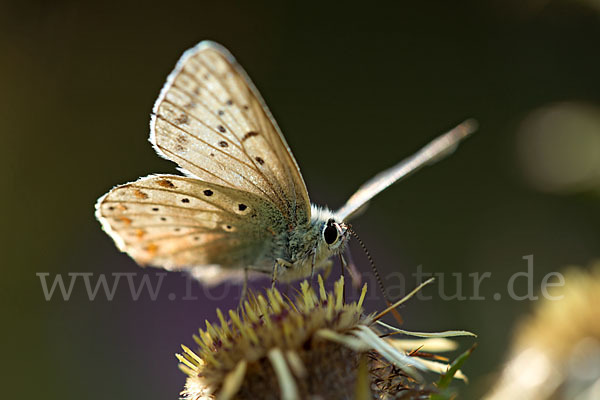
327 269
244 288
280 262
342 266
312 266
349 264
274 274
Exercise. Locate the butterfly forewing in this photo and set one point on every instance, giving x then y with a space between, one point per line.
176 222
212 122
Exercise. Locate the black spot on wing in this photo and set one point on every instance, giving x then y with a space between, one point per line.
182 119
248 135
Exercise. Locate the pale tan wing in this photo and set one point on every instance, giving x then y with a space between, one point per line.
175 222
433 152
211 121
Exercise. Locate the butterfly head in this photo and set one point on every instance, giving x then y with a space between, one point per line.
334 234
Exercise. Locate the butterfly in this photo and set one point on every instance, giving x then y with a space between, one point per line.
242 204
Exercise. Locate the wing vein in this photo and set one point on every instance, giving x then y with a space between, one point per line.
261 119
230 184
241 145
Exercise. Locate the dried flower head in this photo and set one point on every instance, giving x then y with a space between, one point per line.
315 346
556 350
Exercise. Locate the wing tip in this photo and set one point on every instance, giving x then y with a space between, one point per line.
467 127
207 44
187 54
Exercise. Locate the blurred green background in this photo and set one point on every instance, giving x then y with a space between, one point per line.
355 89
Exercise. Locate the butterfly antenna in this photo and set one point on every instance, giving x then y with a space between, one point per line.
376 273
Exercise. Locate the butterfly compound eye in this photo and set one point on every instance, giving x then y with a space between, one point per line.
330 234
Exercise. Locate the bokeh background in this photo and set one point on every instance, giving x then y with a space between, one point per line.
355 89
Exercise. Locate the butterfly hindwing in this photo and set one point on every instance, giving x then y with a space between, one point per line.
211 121
175 222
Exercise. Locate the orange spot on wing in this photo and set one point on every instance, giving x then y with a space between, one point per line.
151 249
125 220
139 233
121 207
166 183
139 194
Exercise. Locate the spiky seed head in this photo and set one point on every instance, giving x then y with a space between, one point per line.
313 345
